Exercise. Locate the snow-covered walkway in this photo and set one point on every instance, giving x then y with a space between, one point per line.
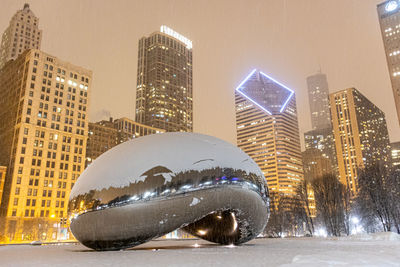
377 250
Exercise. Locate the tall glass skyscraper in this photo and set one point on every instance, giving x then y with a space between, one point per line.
268 131
389 19
321 135
318 98
164 92
322 140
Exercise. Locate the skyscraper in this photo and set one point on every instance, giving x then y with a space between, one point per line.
22 33
389 19
322 140
318 98
315 164
102 137
43 134
3 171
361 134
164 93
267 130
321 135
395 155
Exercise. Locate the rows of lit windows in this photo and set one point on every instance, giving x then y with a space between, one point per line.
256 138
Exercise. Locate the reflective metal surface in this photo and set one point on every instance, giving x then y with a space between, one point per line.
216 202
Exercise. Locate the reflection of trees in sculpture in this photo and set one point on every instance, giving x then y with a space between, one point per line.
155 182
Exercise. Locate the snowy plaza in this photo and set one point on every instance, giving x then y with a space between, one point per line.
368 250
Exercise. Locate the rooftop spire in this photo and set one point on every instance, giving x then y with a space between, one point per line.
26 6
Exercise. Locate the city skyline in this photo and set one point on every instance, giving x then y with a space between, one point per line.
220 61
311 86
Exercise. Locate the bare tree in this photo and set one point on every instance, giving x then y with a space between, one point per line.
288 216
303 192
347 208
277 223
374 196
329 192
393 190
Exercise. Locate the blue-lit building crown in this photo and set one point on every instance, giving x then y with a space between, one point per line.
265 92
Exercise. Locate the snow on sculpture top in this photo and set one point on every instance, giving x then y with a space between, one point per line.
127 163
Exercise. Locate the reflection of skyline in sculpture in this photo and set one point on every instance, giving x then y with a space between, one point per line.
217 200
155 185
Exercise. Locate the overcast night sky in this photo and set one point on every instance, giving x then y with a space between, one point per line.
287 39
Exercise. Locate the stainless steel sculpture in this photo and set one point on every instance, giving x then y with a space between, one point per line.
148 187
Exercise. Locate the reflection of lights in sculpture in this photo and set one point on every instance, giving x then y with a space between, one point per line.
148 187
391 5
235 225
202 232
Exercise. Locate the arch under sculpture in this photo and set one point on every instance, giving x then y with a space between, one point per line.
147 187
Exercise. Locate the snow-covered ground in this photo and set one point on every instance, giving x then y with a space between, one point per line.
363 250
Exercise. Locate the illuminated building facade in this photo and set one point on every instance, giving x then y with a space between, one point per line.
131 129
315 164
322 140
361 134
318 98
389 19
164 93
22 33
267 130
321 135
43 134
104 135
395 155
3 171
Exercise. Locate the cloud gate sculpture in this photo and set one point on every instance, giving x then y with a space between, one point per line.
150 186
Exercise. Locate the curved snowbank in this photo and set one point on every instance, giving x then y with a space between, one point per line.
381 236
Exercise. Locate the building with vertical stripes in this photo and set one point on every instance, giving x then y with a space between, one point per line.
3 171
318 99
164 92
267 130
361 134
395 155
389 20
21 34
321 135
43 134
